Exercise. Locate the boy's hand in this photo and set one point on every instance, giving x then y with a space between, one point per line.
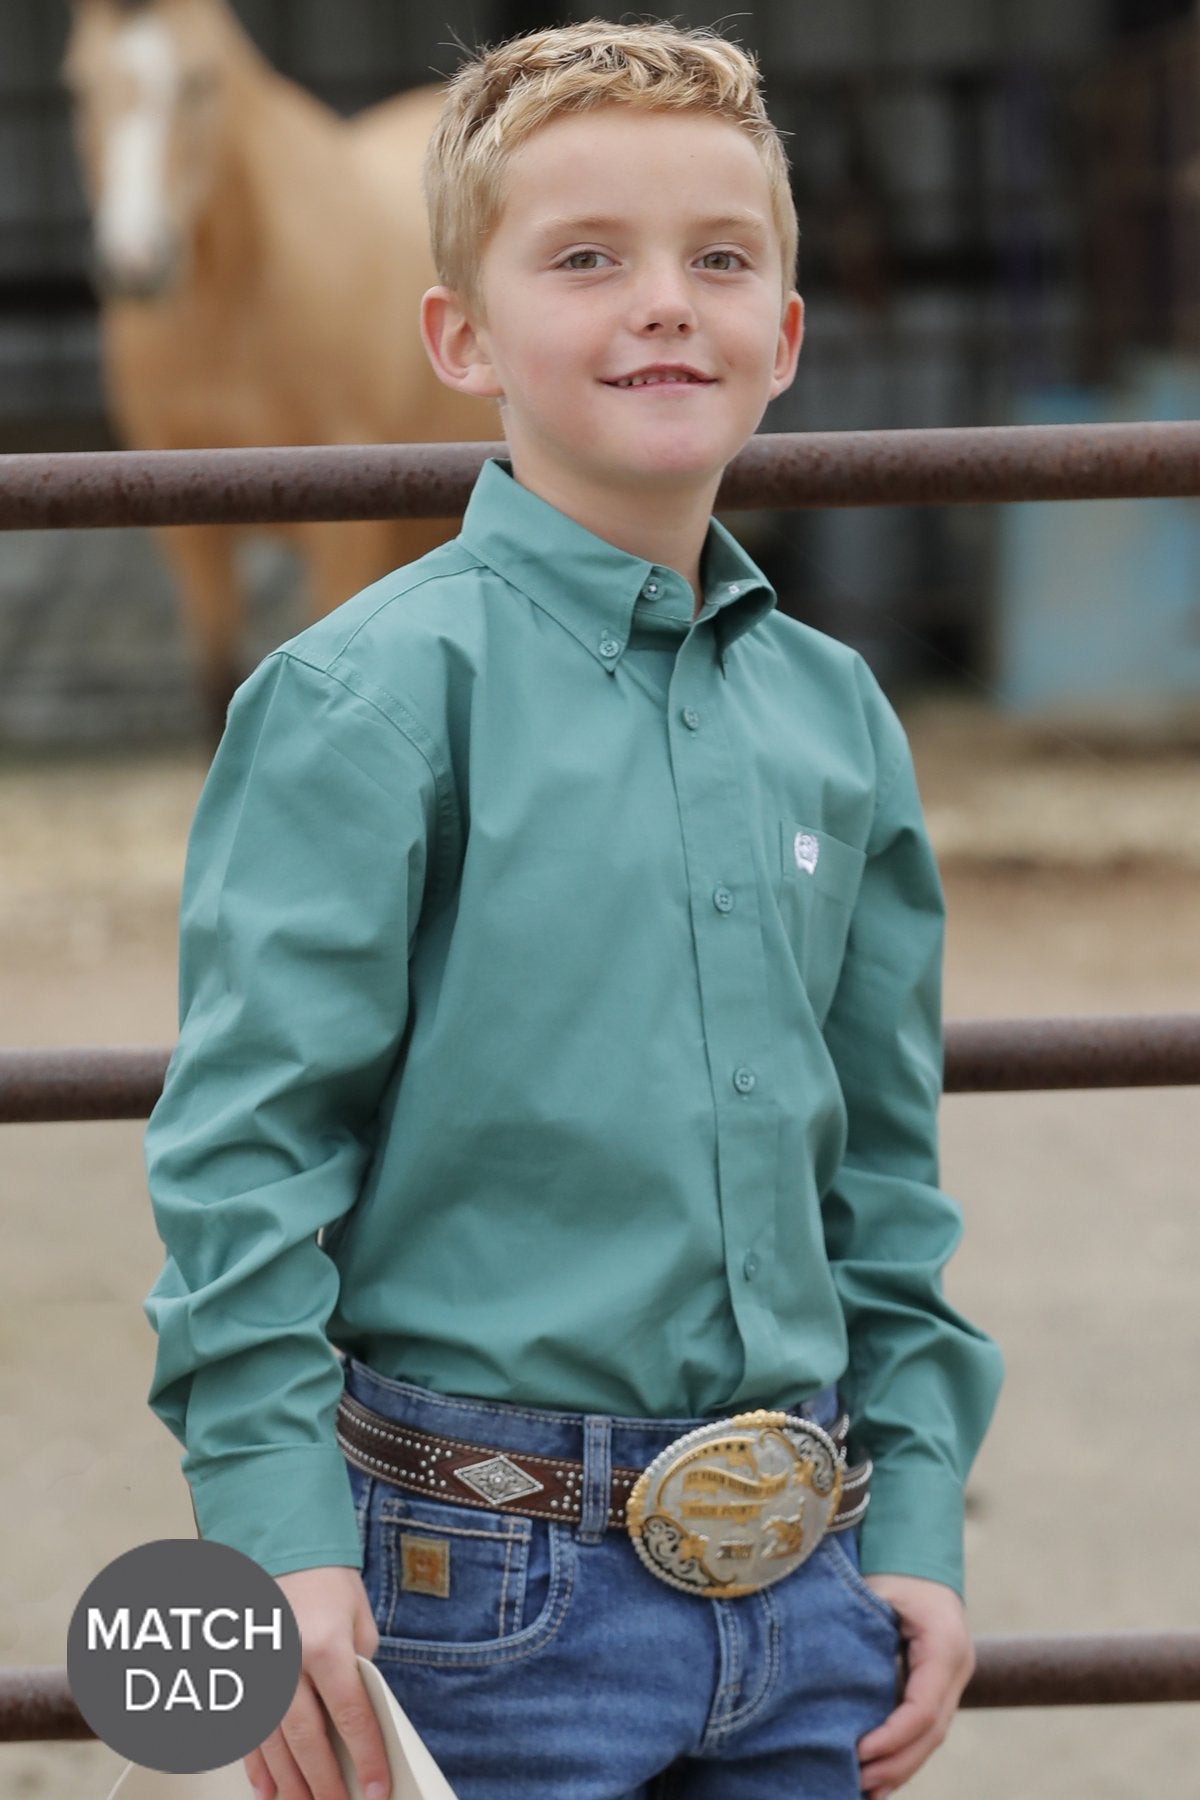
297 1761
941 1661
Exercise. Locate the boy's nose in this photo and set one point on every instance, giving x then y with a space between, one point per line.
664 304
668 320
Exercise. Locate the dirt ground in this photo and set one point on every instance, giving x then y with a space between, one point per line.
1073 877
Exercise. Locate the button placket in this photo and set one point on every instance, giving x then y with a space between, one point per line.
731 970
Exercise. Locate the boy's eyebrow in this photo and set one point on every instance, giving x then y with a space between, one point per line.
595 224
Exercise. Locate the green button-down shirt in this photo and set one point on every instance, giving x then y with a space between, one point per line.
572 967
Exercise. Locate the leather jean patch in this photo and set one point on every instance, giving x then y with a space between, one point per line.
425 1565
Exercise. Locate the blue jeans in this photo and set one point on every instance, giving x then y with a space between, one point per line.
556 1667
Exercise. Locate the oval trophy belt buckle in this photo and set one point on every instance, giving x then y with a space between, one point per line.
735 1505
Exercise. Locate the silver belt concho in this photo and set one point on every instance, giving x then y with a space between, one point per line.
736 1505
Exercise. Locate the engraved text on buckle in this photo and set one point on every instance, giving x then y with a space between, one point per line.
737 1504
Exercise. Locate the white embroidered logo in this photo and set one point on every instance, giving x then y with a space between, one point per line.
807 850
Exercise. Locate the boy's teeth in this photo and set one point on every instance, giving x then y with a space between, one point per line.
641 380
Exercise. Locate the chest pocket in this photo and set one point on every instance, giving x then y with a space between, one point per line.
818 885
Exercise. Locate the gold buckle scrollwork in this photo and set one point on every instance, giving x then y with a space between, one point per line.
736 1505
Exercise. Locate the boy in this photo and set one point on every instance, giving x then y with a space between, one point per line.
560 1041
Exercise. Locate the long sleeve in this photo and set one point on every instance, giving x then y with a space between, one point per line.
306 867
921 1382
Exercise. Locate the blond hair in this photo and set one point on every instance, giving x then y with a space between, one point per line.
500 97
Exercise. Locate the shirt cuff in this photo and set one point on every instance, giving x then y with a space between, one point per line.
913 1525
289 1508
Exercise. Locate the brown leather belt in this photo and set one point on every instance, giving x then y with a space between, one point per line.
541 1487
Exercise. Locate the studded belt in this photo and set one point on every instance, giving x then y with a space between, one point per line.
732 1470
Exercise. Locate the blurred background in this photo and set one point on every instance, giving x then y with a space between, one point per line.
998 204
1000 223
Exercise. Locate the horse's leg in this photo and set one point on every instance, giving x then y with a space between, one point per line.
349 555
202 559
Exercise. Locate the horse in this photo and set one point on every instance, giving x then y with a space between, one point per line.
259 263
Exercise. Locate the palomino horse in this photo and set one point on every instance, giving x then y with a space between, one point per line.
260 263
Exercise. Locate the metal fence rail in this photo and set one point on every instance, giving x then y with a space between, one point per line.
912 468
1129 1669
782 469
983 1056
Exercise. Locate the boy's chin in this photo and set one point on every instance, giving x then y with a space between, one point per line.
628 468
671 466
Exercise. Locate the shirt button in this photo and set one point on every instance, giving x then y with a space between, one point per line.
691 718
651 587
750 1266
722 899
744 1079
609 647
734 587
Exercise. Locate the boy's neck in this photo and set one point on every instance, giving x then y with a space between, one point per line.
663 526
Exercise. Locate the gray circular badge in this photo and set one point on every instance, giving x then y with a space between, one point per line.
183 1655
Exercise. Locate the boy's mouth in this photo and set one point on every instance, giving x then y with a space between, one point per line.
662 374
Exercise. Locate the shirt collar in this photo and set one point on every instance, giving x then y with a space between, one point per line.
590 586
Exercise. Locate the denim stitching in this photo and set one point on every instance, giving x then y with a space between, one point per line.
597 1481
853 1582
728 1675
508 1550
742 1715
391 1514
487 1537
390 1589
362 1507
528 1642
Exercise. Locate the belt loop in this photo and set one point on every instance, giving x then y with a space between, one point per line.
597 1478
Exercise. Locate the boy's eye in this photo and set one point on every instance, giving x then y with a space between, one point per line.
723 260
582 259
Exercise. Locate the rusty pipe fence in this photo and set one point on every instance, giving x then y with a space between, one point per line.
895 468
984 464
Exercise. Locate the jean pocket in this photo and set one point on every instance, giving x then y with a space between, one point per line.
461 1585
818 885
846 1563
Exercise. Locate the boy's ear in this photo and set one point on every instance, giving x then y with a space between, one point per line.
787 350
455 345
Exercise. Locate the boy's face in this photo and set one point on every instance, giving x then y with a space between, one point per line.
631 244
